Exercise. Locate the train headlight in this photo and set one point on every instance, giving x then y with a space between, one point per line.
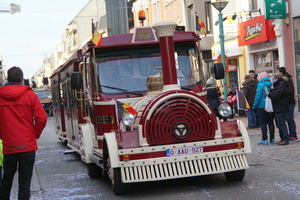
225 110
128 119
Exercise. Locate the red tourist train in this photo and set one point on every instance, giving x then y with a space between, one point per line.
135 109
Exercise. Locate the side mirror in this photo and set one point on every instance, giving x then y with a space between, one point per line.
76 81
219 71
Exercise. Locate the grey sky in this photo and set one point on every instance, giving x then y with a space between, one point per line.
27 37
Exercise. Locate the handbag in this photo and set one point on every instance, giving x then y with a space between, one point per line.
268 105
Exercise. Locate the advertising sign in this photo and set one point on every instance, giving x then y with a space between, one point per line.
275 9
255 30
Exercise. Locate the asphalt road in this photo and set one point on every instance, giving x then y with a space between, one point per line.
274 173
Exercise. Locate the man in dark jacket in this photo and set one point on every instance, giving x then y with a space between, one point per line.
213 96
253 75
249 91
22 121
279 97
290 115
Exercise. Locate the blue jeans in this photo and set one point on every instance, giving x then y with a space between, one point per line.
251 118
281 125
23 162
290 121
266 119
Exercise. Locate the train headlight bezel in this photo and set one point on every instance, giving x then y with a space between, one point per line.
225 110
128 119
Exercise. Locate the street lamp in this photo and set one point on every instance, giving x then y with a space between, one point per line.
220 5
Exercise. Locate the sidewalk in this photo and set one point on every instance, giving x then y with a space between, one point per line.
284 157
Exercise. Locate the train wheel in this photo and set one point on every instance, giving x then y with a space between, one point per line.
118 186
235 176
94 171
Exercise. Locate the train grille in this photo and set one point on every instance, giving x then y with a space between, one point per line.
179 119
180 169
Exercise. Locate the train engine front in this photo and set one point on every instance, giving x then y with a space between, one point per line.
156 124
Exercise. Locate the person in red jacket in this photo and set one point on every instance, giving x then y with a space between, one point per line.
22 121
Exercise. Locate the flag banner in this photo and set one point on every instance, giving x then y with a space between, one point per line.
242 103
96 36
275 9
200 26
123 108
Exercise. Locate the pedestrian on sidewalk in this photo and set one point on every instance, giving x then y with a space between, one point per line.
253 75
1 160
290 115
22 121
213 96
279 95
266 118
249 91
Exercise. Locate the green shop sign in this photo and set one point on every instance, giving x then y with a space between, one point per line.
275 9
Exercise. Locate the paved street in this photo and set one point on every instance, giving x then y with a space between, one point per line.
273 169
285 157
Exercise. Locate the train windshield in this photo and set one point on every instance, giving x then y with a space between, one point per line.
43 94
128 71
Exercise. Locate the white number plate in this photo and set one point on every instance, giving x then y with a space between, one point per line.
184 151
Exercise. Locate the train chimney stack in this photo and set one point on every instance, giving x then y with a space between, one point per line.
165 32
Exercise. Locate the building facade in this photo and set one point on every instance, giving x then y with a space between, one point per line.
278 47
293 63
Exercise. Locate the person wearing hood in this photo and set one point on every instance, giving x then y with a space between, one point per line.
1 160
213 96
249 89
290 115
279 95
266 119
22 121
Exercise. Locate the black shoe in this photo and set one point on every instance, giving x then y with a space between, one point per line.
282 143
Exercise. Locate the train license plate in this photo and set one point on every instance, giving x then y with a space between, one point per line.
184 151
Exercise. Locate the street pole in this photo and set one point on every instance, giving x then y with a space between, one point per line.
222 46
220 5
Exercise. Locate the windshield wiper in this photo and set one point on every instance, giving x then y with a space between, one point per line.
186 87
123 90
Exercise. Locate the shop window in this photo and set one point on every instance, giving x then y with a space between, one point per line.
266 61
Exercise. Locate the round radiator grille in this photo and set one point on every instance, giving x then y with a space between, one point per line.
180 118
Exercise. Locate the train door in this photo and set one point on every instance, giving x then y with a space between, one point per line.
58 112
70 109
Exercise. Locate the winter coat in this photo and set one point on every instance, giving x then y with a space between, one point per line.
22 118
255 79
279 96
291 89
249 90
213 97
260 95
1 154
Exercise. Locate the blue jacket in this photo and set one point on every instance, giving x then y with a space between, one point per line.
260 96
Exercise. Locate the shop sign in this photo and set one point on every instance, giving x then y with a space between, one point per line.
230 68
275 9
255 30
